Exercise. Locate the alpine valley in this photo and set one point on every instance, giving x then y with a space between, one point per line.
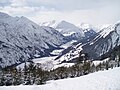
53 44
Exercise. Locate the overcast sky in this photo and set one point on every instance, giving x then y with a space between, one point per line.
76 11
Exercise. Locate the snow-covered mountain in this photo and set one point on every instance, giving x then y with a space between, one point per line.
21 40
96 46
107 39
71 53
67 29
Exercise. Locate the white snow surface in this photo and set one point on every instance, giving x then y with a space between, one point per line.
63 65
48 63
22 65
44 59
107 30
57 52
66 45
97 62
102 80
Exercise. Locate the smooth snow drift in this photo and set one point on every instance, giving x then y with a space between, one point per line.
102 80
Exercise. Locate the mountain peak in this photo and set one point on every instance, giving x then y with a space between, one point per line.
65 24
52 23
4 15
63 21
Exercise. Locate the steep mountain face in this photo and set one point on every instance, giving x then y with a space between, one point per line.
70 31
107 39
22 40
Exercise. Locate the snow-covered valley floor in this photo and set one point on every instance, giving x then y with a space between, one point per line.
102 80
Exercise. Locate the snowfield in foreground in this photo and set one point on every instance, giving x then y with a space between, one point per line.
102 80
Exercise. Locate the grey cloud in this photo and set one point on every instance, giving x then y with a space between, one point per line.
91 11
4 3
72 4
66 4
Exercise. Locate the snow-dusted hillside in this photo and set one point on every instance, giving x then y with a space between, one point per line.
102 80
21 40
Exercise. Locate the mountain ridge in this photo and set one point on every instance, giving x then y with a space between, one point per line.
21 39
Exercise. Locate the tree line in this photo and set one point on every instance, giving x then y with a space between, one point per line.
34 74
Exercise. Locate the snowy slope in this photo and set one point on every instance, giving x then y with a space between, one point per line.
22 40
102 80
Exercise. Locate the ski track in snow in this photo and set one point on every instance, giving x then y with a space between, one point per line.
102 80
